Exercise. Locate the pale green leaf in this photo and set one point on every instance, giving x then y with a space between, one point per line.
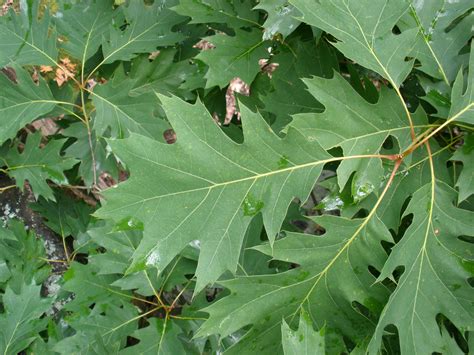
160 337
220 186
281 18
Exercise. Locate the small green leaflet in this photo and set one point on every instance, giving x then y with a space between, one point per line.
465 181
364 29
305 340
282 18
37 164
437 265
462 107
212 178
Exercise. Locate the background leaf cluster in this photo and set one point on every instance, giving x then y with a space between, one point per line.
333 214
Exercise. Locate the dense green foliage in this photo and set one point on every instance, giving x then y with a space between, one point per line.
174 146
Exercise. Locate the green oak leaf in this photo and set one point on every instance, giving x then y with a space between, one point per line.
160 337
26 38
235 13
441 36
22 101
436 266
123 112
332 277
465 182
147 27
282 18
462 106
363 29
234 56
220 185
82 27
20 321
305 340
360 128
36 165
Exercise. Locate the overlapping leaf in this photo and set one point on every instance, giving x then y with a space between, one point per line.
364 29
235 13
436 262
27 38
328 286
83 26
357 126
444 31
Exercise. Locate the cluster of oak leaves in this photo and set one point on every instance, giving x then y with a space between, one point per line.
171 149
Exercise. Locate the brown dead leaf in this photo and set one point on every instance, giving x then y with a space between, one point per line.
47 126
35 76
170 136
153 55
204 45
46 69
65 72
236 85
10 74
5 7
267 68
